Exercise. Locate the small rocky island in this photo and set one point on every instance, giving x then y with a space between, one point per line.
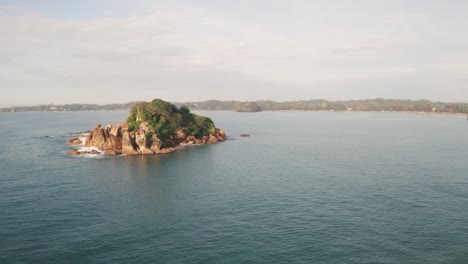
155 127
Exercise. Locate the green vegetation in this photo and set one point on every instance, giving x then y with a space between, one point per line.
165 118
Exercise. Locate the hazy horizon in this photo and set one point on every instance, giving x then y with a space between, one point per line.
101 52
214 99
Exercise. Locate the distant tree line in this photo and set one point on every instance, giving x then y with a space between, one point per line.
69 107
351 105
377 104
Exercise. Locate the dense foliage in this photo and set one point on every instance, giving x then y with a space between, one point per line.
165 118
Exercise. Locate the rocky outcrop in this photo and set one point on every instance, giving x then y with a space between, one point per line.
152 128
74 152
212 139
83 152
117 140
101 138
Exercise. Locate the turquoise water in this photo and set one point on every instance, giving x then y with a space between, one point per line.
307 187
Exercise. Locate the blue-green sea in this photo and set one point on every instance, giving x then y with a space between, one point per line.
306 187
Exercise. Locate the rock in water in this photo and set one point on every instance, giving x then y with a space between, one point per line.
74 152
74 141
213 139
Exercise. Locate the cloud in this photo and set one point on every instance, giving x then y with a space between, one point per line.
195 53
360 47
9 9
160 42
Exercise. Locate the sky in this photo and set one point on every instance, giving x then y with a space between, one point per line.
106 51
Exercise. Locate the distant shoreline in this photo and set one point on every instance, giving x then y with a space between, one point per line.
284 111
357 111
365 105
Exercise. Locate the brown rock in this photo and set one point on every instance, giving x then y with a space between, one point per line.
129 145
116 143
115 140
110 152
155 143
146 151
213 139
73 152
222 134
168 150
97 138
144 126
74 141
140 140
180 135
116 131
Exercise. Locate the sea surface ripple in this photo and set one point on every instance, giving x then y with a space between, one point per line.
306 187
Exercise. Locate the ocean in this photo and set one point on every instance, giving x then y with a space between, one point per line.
306 187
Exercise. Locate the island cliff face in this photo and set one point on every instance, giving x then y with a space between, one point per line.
157 127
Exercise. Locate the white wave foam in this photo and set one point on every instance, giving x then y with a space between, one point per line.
90 149
93 156
83 137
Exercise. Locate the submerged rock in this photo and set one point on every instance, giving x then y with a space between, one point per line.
74 152
74 141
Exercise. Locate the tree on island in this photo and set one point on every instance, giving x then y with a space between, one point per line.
165 118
